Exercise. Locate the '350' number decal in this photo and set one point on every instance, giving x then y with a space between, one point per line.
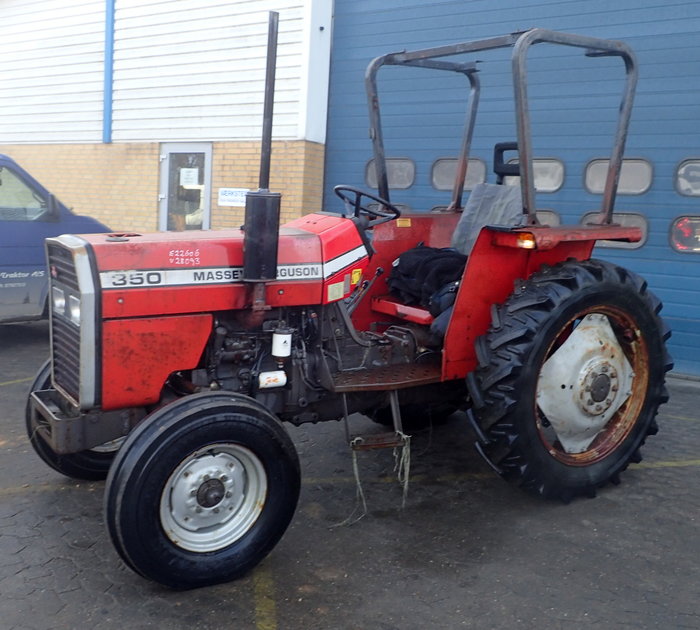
137 279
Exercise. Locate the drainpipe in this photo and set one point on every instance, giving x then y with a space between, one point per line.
108 73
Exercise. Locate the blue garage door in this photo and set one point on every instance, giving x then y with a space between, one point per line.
573 101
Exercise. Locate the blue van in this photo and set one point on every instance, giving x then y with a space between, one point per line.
28 214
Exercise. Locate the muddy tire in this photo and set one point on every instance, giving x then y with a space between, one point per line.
570 378
202 490
89 465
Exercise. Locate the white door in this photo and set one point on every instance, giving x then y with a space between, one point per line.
185 186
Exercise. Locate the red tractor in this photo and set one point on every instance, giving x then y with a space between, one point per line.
176 357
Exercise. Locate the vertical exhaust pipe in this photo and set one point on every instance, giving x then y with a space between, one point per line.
262 207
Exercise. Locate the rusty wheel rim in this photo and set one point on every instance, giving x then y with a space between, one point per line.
575 401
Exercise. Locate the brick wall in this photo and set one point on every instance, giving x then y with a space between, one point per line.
296 171
115 183
118 183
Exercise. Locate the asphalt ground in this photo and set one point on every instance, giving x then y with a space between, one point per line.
466 551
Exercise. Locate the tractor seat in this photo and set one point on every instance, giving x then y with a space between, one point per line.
488 204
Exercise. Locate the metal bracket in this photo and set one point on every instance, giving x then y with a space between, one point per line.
72 434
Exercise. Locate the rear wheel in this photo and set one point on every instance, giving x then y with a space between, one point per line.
570 378
202 490
91 465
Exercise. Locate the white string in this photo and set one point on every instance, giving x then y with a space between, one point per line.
360 501
402 465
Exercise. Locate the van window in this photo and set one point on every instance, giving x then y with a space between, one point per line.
18 202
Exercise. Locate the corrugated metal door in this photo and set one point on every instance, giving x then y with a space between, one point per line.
573 101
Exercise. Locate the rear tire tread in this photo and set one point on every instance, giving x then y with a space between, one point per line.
502 355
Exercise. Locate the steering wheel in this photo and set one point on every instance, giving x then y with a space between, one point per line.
389 211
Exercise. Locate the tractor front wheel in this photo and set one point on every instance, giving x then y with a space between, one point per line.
202 490
91 465
570 378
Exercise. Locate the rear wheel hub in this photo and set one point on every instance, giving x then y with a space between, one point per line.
584 383
600 383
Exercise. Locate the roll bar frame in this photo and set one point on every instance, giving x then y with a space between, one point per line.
521 42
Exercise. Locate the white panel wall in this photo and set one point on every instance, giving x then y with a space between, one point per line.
51 54
183 69
315 70
195 69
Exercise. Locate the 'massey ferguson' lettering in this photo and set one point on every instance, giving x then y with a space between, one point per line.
298 271
169 277
151 278
218 275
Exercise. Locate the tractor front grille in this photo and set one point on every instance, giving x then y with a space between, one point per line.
65 336
73 318
65 349
62 267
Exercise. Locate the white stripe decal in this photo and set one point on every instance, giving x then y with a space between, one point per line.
131 279
342 261
308 271
169 277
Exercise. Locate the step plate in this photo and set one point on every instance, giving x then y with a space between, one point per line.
388 377
391 306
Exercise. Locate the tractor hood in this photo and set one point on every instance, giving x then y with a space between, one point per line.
321 259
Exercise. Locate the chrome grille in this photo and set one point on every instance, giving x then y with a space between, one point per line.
65 336
62 267
65 340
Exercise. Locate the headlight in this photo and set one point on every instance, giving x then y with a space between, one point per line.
74 309
58 300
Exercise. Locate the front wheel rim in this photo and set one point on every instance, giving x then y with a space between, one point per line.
213 497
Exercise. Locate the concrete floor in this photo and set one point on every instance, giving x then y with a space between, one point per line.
467 551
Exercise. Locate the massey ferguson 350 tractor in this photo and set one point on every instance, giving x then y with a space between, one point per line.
177 357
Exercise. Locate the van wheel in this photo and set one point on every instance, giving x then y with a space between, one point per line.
202 490
570 378
89 465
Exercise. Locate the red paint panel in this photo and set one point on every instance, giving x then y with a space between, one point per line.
293 293
489 279
172 300
338 237
297 246
316 223
199 251
169 250
340 240
196 249
204 298
392 239
313 239
138 355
